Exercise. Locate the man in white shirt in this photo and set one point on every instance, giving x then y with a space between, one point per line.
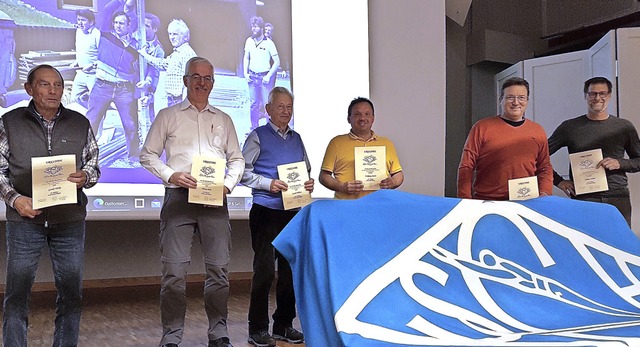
193 127
259 51
87 39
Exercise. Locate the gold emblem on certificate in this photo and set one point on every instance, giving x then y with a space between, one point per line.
294 175
371 166
49 181
586 177
523 188
209 172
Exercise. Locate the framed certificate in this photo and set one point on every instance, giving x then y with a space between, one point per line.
523 188
49 182
586 177
294 175
210 172
371 166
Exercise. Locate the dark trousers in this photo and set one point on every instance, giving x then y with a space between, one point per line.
265 225
622 204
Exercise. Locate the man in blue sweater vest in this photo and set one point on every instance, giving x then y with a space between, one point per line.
267 147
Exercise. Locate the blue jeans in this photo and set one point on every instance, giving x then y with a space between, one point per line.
82 85
259 95
25 243
121 93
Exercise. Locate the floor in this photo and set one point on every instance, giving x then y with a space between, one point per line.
130 316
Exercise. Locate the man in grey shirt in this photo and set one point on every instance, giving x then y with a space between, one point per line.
613 135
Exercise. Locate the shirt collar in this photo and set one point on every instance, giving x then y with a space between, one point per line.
182 47
35 112
185 104
374 137
55 117
274 127
155 42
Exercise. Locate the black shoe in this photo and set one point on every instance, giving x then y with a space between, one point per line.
261 339
170 345
220 342
290 335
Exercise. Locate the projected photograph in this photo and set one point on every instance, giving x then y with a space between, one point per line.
123 61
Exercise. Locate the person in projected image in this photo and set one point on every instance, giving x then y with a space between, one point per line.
259 52
599 130
505 147
43 129
148 85
87 40
117 72
268 31
338 166
174 64
105 22
193 127
267 147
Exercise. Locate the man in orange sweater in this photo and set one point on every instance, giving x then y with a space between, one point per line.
505 147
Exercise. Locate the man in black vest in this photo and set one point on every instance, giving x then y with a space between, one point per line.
42 129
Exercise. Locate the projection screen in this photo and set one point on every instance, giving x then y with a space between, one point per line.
323 59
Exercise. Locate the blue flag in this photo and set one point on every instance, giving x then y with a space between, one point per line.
400 269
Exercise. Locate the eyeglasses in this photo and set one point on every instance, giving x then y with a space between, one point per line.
196 77
282 107
520 98
593 95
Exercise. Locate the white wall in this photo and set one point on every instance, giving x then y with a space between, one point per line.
628 86
407 62
330 68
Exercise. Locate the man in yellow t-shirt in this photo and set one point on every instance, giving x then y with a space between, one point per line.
338 166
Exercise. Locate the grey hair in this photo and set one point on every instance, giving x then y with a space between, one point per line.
182 27
279 90
31 76
196 60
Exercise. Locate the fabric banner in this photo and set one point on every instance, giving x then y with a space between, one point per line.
400 269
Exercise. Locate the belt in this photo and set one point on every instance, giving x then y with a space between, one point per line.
258 73
121 84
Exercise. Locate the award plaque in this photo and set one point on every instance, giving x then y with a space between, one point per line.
586 177
371 166
294 175
49 181
209 172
